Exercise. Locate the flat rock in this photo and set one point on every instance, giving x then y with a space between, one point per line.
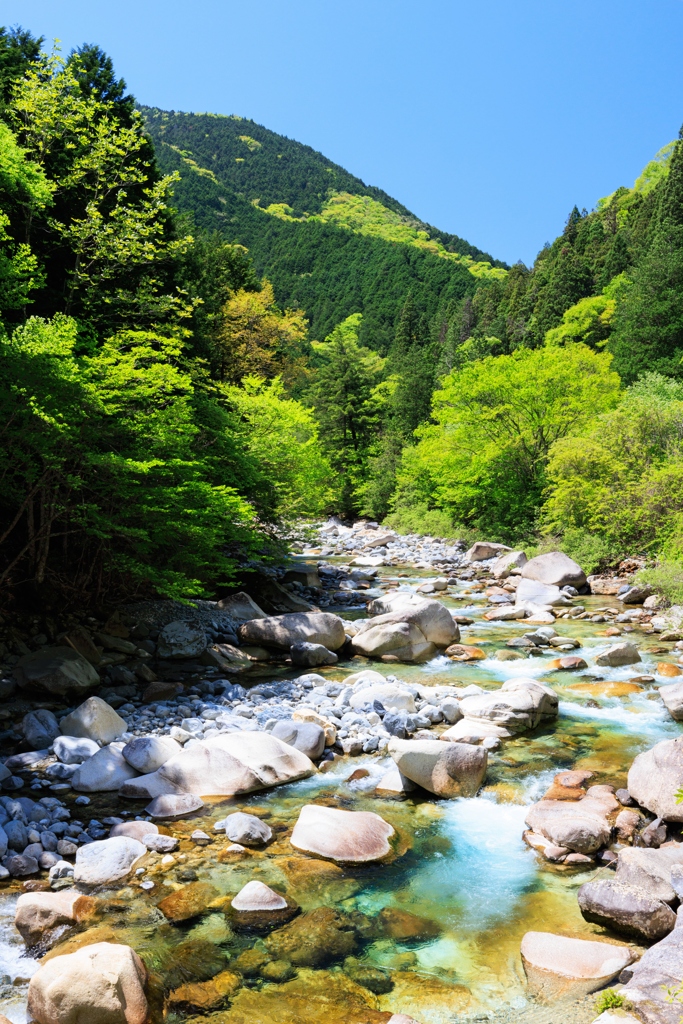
343 836
282 631
103 983
105 771
134 829
241 607
392 696
148 753
225 765
555 568
57 670
482 550
41 918
94 720
558 967
107 860
533 592
393 783
655 777
445 769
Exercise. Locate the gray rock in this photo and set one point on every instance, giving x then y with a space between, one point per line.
308 737
57 670
105 771
657 973
107 860
95 720
554 568
60 772
160 843
635 595
181 640
655 777
451 710
306 655
172 807
4 842
443 768
483 550
17 836
246 829
148 753
39 728
19 865
672 695
620 654
48 841
282 631
626 909
74 749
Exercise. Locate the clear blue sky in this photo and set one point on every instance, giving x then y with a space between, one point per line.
487 119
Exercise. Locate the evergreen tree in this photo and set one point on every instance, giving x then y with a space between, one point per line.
18 49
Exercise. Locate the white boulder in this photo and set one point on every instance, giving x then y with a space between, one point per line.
554 569
148 753
344 836
107 860
104 771
94 720
562 968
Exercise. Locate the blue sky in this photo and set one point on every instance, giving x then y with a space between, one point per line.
489 120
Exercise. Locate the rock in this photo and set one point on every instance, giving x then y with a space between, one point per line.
626 909
58 670
483 550
504 563
20 865
104 771
161 690
520 704
203 996
181 640
620 654
464 652
558 967
94 720
246 829
241 607
278 971
626 824
635 595
654 977
282 631
309 715
532 594
159 843
306 655
103 983
224 765
432 618
650 869
445 769
580 825
315 938
402 926
256 896
402 641
39 728
172 807
372 978
394 784
188 902
42 918
74 749
342 836
16 835
134 829
666 668
555 569
276 599
655 777
672 695
391 696
107 860
148 753
307 737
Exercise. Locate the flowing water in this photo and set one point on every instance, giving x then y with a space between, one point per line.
461 864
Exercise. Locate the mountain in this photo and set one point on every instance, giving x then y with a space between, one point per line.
330 244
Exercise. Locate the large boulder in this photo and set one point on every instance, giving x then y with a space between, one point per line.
580 820
561 968
74 749
655 976
57 670
343 836
403 641
483 550
148 753
107 860
431 617
308 737
104 772
625 908
518 705
95 720
655 777
226 765
281 631
40 729
181 640
445 769
672 695
99 984
554 569
241 607
42 918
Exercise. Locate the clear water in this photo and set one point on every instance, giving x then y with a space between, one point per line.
463 864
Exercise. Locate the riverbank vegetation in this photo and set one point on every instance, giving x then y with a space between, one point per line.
210 332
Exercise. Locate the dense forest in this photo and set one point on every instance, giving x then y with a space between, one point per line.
209 332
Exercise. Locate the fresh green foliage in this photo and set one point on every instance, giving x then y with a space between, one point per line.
609 1000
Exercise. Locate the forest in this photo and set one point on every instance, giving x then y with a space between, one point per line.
209 333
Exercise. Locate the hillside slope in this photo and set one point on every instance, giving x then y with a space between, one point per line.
330 244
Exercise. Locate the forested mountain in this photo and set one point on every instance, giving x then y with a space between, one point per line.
328 243
208 331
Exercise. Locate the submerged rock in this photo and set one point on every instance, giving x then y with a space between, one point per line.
314 939
188 902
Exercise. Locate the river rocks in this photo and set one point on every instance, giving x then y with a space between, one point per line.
39 728
655 976
105 771
74 749
534 594
402 641
393 783
314 939
148 753
282 631
520 704
672 695
94 720
402 926
57 670
465 652
446 769
343 836
106 861
181 640
308 737
555 568
241 607
392 696
224 765
483 550
173 806
309 715
655 777
246 829
42 918
256 896
203 996
558 967
579 824
626 909
432 618
620 654
307 655
134 829
188 902
506 562
103 983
